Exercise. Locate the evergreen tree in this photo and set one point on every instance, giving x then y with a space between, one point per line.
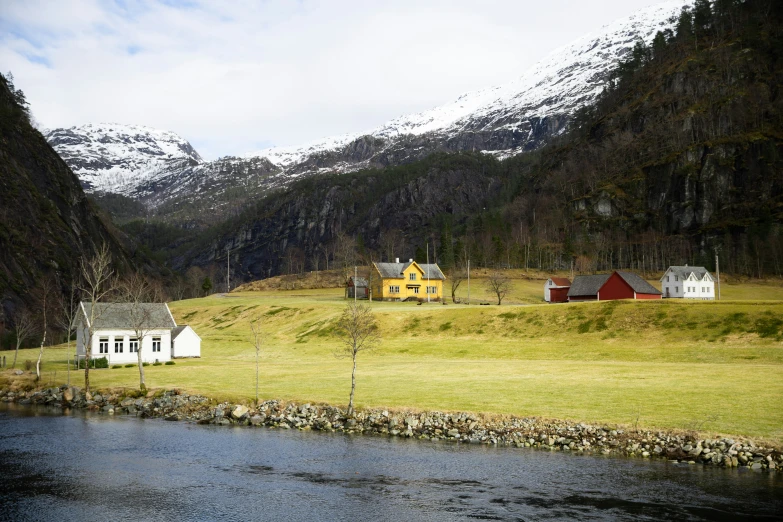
421 255
206 285
702 18
685 26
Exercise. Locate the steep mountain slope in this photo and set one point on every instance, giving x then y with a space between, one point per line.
110 157
503 121
46 222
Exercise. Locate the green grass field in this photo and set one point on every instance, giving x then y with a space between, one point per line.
713 366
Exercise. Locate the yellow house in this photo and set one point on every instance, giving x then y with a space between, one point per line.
399 281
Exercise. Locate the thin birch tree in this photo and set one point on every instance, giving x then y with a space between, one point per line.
66 318
96 283
357 329
257 341
46 300
137 293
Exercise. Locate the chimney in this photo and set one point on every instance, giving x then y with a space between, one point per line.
396 259
410 260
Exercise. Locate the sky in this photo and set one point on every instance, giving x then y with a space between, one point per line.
234 77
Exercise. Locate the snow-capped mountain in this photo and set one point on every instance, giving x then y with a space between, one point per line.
119 158
162 169
567 79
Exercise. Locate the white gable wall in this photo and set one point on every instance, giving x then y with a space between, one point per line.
187 344
123 337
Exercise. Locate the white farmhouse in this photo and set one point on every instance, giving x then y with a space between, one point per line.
114 336
689 282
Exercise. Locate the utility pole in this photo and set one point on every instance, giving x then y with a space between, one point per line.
468 281
354 284
428 272
228 270
717 272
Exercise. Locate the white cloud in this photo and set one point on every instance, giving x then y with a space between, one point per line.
234 76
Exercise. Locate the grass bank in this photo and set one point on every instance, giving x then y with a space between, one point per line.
711 366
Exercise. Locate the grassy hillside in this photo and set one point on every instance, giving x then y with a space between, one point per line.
715 366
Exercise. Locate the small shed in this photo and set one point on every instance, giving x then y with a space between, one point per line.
358 287
185 342
556 290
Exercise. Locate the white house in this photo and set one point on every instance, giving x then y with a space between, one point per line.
115 337
185 342
689 282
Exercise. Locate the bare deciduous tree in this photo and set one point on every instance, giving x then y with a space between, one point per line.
96 284
499 284
66 318
358 332
24 327
456 276
257 341
137 292
345 255
46 296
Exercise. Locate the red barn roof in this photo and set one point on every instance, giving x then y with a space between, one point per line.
561 281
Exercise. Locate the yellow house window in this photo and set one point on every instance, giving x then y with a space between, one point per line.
412 276
394 289
432 289
415 289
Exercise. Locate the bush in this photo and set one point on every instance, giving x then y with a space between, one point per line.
169 363
130 365
145 364
29 365
101 362
156 363
116 366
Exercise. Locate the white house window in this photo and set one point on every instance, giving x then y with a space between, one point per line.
415 289
134 345
156 344
676 289
676 278
118 346
103 345
393 289
412 276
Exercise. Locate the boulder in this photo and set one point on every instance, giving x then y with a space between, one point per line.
239 412
68 394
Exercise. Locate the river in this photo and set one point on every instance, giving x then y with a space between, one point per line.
85 466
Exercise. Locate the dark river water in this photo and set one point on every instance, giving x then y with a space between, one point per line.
95 467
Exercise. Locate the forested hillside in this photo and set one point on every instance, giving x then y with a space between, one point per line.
47 224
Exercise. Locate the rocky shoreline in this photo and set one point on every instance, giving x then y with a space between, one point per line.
175 405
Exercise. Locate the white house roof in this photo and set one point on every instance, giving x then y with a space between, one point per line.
179 329
685 271
120 315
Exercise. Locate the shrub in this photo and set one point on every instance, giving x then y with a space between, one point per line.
101 362
145 364
169 363
156 363
116 366
130 365
28 365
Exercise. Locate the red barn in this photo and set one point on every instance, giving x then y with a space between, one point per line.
556 290
608 287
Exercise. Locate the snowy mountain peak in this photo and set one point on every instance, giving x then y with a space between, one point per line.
117 158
